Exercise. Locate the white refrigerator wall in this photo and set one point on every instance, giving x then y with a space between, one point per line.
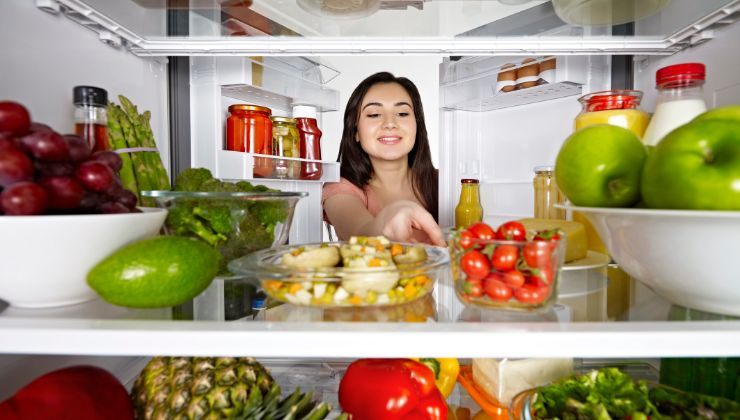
43 56
721 57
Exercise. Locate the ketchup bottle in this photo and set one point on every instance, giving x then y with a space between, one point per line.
309 144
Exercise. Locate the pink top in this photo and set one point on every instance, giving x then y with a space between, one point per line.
368 198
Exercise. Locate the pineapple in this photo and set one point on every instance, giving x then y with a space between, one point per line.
217 388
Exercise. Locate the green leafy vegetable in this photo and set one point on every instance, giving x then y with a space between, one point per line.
235 227
612 394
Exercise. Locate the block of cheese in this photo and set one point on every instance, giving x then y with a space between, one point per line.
575 233
502 379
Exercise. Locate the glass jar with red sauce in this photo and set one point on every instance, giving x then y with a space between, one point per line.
249 129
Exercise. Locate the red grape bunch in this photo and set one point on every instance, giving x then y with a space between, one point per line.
43 172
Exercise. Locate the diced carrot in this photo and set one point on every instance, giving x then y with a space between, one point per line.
272 284
374 262
355 300
421 280
294 288
409 291
396 249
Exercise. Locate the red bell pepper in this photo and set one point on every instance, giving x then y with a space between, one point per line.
391 389
79 393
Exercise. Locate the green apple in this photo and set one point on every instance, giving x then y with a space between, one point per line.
696 166
600 166
729 112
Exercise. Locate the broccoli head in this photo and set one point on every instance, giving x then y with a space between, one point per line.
183 221
217 217
191 179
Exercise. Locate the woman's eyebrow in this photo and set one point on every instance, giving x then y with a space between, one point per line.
379 104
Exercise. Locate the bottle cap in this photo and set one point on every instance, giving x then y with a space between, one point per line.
469 181
543 169
90 95
304 111
680 75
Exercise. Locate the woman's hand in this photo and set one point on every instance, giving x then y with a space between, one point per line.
405 220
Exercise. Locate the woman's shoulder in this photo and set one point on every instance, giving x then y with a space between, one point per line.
344 186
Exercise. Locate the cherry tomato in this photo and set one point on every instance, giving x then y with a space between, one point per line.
504 257
541 276
475 265
482 231
537 254
473 287
514 231
513 278
497 290
467 240
547 235
532 294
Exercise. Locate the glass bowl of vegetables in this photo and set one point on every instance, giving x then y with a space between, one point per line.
234 222
612 393
362 272
506 268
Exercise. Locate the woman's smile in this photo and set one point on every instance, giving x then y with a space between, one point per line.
390 140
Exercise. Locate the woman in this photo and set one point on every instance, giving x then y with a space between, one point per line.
388 184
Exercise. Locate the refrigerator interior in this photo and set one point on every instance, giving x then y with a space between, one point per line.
49 55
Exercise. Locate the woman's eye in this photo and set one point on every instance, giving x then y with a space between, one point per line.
404 114
373 115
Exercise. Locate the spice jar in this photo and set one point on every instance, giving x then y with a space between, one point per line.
506 79
547 194
91 117
527 75
285 140
249 129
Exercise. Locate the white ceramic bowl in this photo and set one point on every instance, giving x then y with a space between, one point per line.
44 260
689 257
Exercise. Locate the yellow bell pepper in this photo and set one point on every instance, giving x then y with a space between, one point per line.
445 372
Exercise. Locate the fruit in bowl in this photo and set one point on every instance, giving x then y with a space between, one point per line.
507 268
235 218
363 272
43 172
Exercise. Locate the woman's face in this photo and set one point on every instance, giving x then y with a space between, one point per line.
386 128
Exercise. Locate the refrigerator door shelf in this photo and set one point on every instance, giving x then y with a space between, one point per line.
241 165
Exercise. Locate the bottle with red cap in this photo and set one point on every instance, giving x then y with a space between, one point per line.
680 99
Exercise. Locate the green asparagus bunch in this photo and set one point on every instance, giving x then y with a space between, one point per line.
141 171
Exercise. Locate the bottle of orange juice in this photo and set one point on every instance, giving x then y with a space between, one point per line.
620 108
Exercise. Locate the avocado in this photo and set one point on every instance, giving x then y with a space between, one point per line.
155 273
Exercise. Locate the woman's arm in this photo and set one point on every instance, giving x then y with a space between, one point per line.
400 221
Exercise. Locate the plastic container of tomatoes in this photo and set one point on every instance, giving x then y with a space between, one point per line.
506 268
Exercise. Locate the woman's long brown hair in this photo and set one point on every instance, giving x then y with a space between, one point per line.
355 162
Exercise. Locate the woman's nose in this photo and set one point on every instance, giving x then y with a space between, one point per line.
389 122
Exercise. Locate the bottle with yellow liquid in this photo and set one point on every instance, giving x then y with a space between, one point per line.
469 209
620 108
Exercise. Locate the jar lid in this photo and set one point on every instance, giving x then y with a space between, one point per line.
469 181
611 99
680 75
250 107
543 169
283 119
90 95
